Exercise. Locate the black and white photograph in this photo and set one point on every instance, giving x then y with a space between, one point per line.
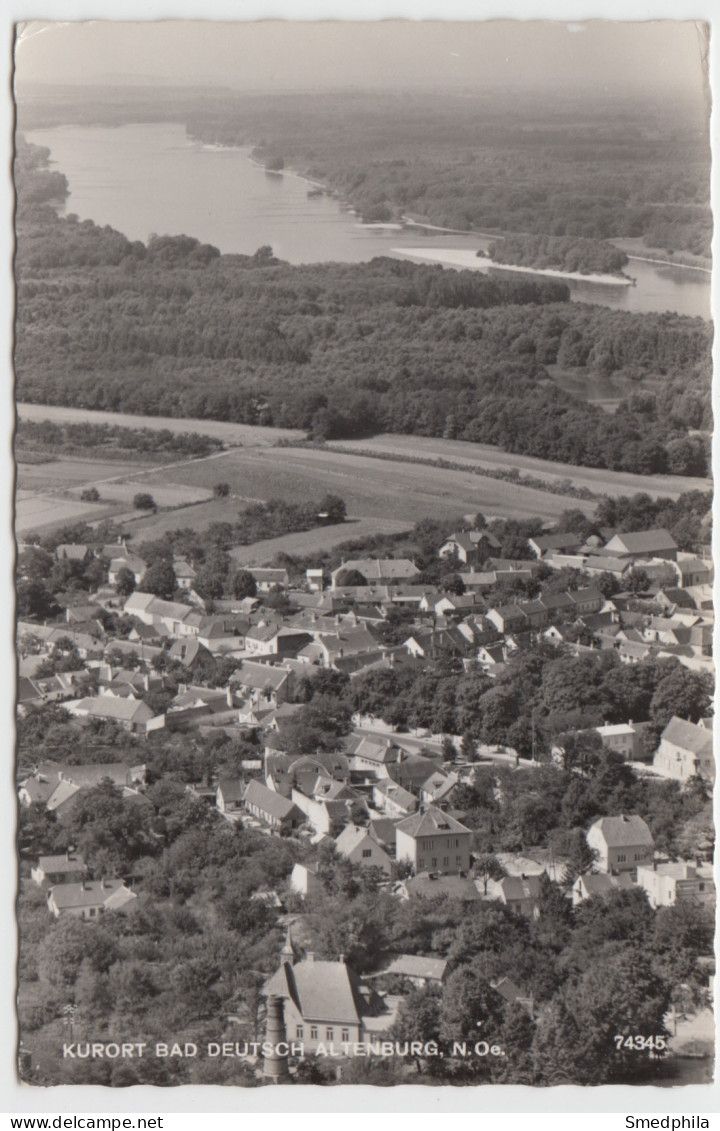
363 554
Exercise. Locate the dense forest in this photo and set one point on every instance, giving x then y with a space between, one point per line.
174 328
566 253
601 167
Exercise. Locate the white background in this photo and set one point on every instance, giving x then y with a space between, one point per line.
193 1101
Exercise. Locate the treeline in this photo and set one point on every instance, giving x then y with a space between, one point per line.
347 349
109 439
564 253
481 163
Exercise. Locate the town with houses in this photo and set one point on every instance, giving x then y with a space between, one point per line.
290 679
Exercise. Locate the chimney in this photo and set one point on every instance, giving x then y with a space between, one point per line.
229 696
275 1068
341 959
310 956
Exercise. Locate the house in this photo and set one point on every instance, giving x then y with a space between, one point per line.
669 884
520 894
622 843
438 788
644 544
323 1002
272 640
315 580
326 816
272 808
391 799
136 566
230 794
359 846
433 841
692 571
432 885
375 756
685 749
543 544
587 600
275 683
507 618
73 552
418 969
470 547
514 995
267 579
625 739
378 571
599 883
64 868
131 714
184 574
89 899
305 879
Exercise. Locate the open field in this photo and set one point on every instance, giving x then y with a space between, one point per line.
484 455
312 541
38 511
371 488
65 472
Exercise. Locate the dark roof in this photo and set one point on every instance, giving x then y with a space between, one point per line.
321 991
274 804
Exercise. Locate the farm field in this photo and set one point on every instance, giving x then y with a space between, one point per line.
310 541
460 451
483 455
371 488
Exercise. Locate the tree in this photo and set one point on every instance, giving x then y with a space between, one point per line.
159 579
350 577
221 490
680 692
418 1019
453 583
90 495
144 502
243 584
124 582
334 507
488 867
637 580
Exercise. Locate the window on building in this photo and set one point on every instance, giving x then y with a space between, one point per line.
345 1035
367 851
329 1034
621 858
421 863
446 861
458 859
433 862
299 1031
701 887
313 1033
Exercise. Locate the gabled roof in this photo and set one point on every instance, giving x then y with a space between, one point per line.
352 837
430 823
688 736
62 862
274 804
417 966
321 991
643 541
91 893
623 831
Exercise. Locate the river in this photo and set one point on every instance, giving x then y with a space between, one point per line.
152 178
